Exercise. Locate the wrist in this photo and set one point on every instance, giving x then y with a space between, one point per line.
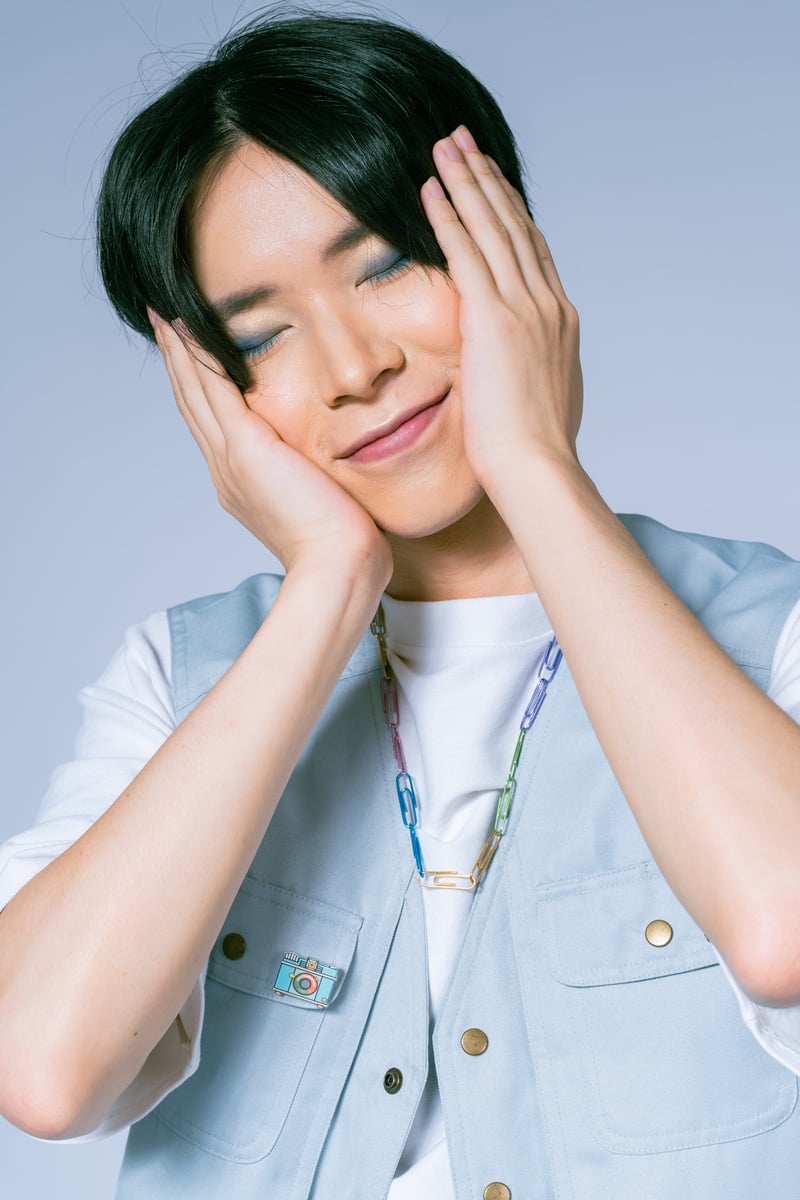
354 573
534 473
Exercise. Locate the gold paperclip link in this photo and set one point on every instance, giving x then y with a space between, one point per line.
455 880
488 850
378 629
377 625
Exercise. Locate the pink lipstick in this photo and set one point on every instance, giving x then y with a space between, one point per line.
398 436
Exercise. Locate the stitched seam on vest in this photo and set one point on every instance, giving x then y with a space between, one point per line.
730 1126
558 1160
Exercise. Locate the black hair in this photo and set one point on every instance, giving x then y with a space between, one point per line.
356 102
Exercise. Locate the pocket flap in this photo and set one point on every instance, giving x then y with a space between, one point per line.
613 928
284 947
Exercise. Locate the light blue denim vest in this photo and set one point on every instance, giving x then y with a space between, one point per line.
614 1068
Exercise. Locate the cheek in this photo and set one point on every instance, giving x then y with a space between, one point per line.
422 311
436 318
284 411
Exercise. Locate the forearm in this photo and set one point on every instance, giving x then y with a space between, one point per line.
101 949
709 765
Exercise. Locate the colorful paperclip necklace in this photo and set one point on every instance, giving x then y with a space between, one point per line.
406 792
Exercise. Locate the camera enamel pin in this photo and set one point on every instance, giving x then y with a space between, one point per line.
307 979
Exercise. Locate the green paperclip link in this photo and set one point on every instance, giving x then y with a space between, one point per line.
509 788
512 770
504 806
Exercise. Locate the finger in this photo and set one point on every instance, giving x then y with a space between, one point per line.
465 263
486 213
223 397
540 243
188 391
197 432
217 407
548 266
513 196
513 211
533 256
212 398
512 193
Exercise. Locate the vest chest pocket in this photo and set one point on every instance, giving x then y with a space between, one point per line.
667 1061
270 991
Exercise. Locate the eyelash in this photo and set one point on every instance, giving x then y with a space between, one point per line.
400 264
251 352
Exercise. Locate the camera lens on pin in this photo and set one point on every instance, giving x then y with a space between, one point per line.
305 984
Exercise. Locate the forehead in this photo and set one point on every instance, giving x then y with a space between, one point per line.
259 214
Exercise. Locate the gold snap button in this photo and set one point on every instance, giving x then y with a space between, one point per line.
474 1041
659 933
496 1191
233 945
393 1080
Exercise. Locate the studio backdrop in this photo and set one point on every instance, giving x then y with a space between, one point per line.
661 144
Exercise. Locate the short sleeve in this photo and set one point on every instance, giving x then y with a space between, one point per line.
126 716
778 1029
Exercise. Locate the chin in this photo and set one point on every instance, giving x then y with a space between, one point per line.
428 516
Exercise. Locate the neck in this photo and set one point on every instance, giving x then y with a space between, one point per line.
475 556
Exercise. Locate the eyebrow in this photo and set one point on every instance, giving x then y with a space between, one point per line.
351 235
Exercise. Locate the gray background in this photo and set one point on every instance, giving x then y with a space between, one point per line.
662 147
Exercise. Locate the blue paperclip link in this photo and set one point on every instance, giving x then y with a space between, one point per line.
534 704
550 663
417 851
408 808
547 670
408 799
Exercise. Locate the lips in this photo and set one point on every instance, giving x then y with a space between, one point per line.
396 434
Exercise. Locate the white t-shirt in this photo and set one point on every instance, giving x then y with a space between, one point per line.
465 671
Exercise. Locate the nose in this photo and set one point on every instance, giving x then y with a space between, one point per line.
357 353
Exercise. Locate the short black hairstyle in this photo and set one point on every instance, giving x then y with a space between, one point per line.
356 101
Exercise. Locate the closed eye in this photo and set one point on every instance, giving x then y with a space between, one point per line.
391 266
254 349
398 264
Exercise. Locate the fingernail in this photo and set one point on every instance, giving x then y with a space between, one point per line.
465 139
495 169
451 150
153 318
434 188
